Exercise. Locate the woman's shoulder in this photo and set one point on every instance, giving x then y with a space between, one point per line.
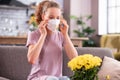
34 35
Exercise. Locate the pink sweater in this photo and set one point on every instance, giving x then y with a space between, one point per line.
49 62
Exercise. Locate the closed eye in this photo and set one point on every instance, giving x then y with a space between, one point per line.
51 17
58 17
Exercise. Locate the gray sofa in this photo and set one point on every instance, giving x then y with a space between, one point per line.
14 65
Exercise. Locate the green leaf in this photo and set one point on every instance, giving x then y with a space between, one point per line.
89 30
80 22
73 17
89 17
80 34
89 43
34 24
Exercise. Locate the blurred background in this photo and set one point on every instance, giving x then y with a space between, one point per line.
87 18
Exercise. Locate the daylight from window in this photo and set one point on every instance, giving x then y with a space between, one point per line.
109 16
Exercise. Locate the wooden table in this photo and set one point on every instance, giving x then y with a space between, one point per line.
13 40
77 41
21 40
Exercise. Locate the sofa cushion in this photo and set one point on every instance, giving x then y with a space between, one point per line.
110 68
3 78
13 62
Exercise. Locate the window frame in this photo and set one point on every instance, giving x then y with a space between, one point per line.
104 15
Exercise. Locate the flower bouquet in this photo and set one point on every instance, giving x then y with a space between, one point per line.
32 22
85 67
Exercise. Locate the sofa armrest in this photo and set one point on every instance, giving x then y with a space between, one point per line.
13 62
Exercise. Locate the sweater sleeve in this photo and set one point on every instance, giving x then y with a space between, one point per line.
32 38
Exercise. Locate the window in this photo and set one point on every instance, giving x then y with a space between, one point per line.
109 16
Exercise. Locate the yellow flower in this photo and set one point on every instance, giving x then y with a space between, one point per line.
33 20
108 77
88 61
85 63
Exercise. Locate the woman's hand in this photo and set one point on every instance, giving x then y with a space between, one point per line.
64 27
68 46
42 27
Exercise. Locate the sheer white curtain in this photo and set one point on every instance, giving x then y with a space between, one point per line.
102 24
109 16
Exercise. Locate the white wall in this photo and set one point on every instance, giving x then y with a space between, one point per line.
13 20
94 10
78 8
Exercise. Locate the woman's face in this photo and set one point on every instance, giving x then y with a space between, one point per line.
52 13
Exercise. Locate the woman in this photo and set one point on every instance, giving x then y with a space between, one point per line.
45 44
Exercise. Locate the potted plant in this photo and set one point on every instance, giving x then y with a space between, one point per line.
32 22
84 30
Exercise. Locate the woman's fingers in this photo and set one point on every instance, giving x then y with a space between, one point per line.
64 27
42 27
64 22
42 24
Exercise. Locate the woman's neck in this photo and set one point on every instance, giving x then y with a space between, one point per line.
49 33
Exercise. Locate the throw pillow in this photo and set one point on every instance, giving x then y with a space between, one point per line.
3 78
110 67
